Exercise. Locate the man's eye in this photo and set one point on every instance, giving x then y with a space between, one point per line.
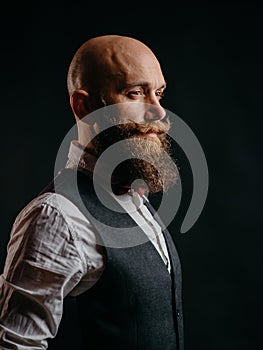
159 93
135 93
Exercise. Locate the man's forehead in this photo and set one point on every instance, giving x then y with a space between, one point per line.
126 70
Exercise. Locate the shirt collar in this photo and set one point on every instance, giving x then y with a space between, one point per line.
79 157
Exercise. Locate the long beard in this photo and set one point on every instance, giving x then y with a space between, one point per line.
148 159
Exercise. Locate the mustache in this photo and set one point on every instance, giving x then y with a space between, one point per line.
131 128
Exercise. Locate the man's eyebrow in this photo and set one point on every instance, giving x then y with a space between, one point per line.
144 84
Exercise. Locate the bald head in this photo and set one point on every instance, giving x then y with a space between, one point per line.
114 70
103 58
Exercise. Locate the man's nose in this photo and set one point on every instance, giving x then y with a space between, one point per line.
154 111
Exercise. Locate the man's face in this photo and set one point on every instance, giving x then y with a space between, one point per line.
134 92
137 85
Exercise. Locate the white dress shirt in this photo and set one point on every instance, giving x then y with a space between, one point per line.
52 253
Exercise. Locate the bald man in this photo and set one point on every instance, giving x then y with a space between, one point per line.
100 249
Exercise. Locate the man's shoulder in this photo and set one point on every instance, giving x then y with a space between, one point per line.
45 199
47 203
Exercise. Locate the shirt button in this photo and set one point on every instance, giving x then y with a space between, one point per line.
177 313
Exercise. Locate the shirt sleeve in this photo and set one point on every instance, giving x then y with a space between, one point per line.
43 265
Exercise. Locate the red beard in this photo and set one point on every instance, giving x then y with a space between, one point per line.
145 161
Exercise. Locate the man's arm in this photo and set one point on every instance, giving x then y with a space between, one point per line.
43 265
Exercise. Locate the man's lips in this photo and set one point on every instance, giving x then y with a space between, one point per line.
152 134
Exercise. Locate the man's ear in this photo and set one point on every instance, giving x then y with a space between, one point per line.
79 102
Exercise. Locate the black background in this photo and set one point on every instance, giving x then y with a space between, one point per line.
212 60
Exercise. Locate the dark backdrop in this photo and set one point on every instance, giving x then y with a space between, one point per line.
212 60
